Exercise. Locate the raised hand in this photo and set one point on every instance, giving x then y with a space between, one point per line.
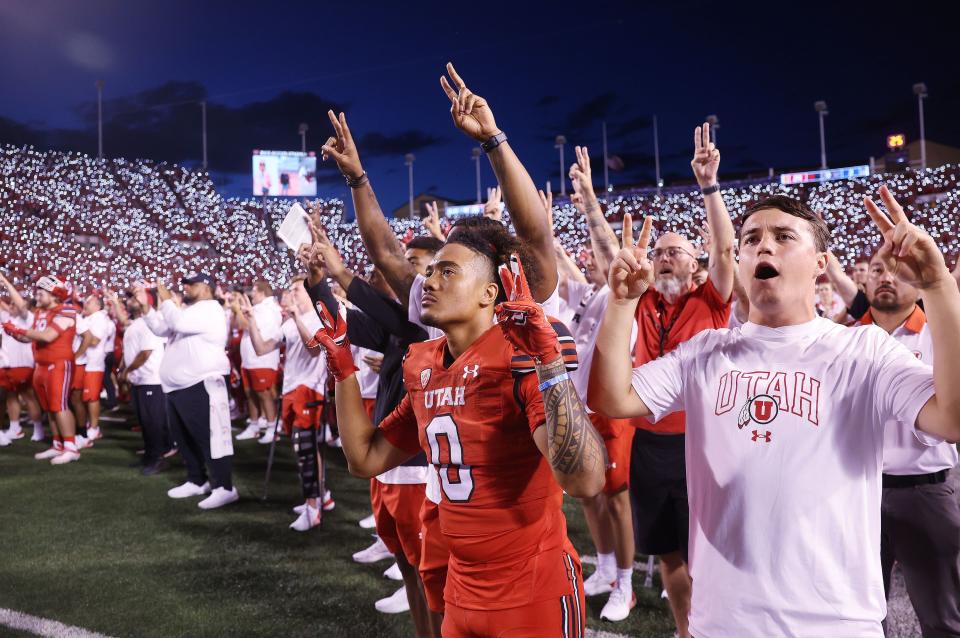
706 239
522 320
908 251
432 221
12 330
492 208
342 148
244 305
706 157
546 200
631 272
581 175
471 113
325 251
332 337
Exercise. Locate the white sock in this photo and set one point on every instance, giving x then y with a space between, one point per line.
625 578
15 425
38 426
262 423
607 563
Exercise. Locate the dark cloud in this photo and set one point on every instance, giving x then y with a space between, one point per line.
547 100
590 113
378 144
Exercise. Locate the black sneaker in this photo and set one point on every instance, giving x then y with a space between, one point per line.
155 468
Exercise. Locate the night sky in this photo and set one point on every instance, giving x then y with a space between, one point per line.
545 68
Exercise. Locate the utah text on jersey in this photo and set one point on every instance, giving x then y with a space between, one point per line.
763 394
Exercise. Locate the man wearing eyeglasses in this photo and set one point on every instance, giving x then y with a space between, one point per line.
669 313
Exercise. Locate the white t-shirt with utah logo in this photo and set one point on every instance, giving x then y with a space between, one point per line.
784 448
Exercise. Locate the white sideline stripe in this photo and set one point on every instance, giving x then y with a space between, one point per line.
596 633
42 626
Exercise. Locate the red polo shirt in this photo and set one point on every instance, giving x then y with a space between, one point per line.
663 326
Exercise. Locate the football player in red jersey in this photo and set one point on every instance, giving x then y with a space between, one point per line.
505 443
52 335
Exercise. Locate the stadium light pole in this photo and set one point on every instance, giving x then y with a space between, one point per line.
203 115
559 143
99 85
303 136
920 90
821 108
408 161
476 153
714 123
656 154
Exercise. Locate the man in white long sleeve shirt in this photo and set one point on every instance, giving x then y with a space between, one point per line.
191 374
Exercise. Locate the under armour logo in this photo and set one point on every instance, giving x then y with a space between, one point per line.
475 371
764 437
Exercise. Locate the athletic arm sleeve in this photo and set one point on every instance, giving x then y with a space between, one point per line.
400 427
859 306
391 316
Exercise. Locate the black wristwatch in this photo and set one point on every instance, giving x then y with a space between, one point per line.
494 142
710 190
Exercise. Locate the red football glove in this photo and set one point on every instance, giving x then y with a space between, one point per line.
13 330
333 338
522 320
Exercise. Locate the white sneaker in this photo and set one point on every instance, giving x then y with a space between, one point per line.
618 605
83 442
4 439
94 434
251 432
47 454
37 433
189 489
376 552
218 498
328 503
14 433
335 442
309 518
298 509
268 436
68 456
369 522
393 572
599 583
395 604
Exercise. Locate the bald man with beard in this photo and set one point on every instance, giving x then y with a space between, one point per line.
672 311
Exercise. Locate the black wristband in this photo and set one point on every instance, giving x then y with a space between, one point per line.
710 190
494 142
358 181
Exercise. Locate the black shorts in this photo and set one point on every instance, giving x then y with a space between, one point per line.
658 493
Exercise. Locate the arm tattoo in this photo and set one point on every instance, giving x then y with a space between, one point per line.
574 446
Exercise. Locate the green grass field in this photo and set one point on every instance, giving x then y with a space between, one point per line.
96 545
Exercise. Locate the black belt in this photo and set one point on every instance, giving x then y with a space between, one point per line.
912 480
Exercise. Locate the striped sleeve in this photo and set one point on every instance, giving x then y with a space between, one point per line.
522 364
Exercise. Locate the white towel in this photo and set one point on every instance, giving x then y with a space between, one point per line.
221 439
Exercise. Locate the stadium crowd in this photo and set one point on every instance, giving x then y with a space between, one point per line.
476 371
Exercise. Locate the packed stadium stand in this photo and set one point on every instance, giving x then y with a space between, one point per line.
111 222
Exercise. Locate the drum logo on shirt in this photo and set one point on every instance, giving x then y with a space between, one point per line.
762 395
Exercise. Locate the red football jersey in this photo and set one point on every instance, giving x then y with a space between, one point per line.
500 511
61 348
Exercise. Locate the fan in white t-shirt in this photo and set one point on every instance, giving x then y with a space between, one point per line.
785 424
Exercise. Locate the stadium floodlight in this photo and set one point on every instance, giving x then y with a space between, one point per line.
920 90
408 162
302 129
821 108
559 143
714 123
476 154
656 153
99 85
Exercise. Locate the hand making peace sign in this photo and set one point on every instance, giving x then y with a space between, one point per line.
631 272
907 251
342 148
471 113
706 157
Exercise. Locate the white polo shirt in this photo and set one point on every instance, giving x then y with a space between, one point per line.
137 338
904 452
13 353
300 366
269 319
784 448
99 325
196 335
